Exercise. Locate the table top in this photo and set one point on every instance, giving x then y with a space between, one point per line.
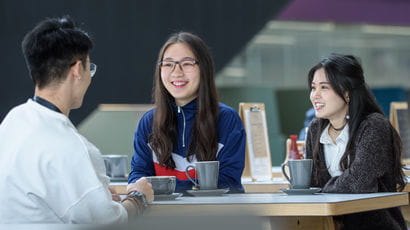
322 204
272 186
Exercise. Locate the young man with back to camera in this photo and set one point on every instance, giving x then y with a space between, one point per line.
50 172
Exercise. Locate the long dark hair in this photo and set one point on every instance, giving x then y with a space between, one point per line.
345 75
204 140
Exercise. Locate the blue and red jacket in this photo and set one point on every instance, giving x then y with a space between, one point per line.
231 149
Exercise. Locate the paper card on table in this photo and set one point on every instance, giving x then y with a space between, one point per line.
258 164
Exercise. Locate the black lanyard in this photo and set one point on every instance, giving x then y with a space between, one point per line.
46 103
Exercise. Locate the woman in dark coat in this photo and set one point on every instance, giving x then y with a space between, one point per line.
353 145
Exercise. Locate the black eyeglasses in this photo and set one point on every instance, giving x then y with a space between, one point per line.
187 65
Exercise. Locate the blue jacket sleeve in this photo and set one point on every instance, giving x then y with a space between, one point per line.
141 162
231 156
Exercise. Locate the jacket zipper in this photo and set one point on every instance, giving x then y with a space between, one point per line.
180 110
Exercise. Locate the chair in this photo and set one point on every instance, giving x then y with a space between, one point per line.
111 127
301 148
400 120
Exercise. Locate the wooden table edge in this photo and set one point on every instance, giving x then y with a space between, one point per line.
282 209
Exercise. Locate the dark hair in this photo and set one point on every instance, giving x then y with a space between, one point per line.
204 141
345 75
52 47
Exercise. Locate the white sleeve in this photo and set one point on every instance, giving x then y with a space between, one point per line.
96 206
79 191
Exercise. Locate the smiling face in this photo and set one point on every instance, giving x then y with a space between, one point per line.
183 86
327 103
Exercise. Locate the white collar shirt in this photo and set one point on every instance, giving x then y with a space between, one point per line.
334 151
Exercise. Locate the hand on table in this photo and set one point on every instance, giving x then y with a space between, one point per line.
114 195
142 185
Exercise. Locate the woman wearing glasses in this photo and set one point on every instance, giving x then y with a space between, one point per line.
188 124
353 146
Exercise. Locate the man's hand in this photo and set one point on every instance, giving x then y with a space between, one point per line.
142 185
114 195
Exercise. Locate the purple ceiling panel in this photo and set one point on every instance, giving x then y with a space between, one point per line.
388 12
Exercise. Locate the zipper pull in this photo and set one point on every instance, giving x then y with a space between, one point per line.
179 109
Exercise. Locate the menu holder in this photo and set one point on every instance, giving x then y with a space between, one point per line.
258 164
399 118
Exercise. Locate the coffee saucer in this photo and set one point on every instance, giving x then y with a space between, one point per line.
307 191
208 192
163 197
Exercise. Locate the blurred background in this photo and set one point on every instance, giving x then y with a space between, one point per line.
263 50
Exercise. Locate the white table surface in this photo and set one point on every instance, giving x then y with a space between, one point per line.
273 198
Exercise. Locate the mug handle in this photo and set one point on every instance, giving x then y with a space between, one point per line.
284 172
189 177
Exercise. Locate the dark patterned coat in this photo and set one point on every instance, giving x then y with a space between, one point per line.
371 170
